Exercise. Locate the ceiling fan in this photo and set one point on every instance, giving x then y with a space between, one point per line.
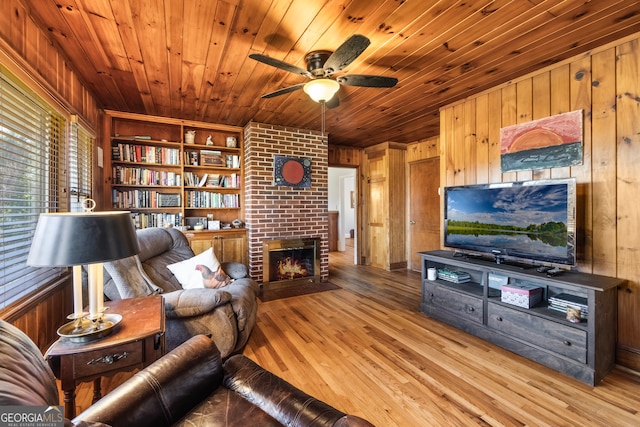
321 66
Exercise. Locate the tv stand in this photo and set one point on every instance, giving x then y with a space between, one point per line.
519 265
585 350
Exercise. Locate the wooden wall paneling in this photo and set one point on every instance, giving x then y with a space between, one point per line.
447 169
603 163
560 103
541 89
397 211
580 89
14 24
457 149
46 313
344 156
446 174
524 113
482 139
364 231
509 117
494 123
628 182
605 86
32 39
423 149
470 140
34 57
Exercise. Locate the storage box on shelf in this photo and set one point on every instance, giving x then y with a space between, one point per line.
494 302
165 170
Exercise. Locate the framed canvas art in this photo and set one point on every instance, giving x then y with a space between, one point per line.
292 172
554 141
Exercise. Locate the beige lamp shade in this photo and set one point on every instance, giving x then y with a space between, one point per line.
321 90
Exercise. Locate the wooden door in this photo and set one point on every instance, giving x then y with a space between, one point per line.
377 213
424 208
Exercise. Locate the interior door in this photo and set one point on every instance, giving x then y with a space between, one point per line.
377 212
424 208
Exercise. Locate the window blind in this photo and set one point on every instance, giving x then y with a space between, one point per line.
80 166
31 144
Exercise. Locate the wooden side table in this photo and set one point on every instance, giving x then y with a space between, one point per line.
136 342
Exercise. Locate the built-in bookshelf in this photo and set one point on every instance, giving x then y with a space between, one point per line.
172 172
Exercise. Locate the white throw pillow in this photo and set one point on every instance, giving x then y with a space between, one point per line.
186 273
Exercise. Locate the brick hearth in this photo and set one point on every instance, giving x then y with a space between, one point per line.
275 212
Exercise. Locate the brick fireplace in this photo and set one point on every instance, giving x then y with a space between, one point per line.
275 212
289 261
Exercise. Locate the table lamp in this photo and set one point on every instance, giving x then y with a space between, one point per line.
73 239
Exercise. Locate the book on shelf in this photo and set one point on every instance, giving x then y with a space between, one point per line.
208 199
152 219
168 200
145 154
213 180
562 301
191 158
126 175
142 199
203 180
453 276
211 158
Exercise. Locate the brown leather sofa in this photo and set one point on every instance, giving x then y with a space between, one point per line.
189 386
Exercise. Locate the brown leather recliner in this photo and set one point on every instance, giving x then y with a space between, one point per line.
189 386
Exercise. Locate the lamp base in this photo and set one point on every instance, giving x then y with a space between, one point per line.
84 329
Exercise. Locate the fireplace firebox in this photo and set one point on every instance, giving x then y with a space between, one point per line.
290 261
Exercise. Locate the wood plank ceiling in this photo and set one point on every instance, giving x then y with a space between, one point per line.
189 58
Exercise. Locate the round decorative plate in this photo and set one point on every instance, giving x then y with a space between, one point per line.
292 172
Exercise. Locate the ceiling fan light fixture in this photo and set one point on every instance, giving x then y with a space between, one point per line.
321 90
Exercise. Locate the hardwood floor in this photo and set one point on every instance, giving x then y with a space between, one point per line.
367 350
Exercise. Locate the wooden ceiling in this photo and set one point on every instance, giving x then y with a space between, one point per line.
189 58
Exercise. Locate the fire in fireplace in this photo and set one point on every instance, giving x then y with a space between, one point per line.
287 261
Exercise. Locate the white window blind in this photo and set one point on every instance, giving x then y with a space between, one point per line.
31 144
80 166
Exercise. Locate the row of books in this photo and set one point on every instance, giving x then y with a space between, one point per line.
137 199
144 220
562 301
207 199
211 180
453 276
145 154
211 158
142 176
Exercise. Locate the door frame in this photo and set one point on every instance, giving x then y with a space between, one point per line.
357 238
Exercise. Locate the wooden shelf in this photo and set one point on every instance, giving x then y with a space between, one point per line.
141 137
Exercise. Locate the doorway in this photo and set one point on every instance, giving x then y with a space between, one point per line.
343 199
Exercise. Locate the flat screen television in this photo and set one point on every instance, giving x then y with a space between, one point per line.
529 221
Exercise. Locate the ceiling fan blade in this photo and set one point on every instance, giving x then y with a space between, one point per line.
346 53
283 91
366 81
280 64
333 102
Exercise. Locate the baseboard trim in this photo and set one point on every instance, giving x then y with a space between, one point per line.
629 358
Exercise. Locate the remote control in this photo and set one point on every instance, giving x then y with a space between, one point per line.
553 272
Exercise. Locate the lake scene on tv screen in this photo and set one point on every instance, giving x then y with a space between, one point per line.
525 220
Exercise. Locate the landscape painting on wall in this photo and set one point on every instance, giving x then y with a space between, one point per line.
554 141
